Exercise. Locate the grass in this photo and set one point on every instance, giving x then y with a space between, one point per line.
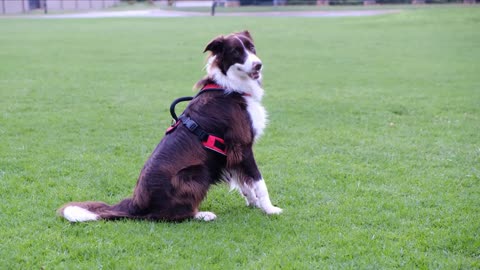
372 148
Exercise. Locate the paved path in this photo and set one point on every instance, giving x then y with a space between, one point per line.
126 14
338 13
168 13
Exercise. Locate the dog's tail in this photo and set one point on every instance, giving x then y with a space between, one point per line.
92 211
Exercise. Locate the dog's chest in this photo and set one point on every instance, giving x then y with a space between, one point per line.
258 116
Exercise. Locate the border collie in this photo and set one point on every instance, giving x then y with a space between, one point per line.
176 177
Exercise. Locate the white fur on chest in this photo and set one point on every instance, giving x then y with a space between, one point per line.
258 116
236 81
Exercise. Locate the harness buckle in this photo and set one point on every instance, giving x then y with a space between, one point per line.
209 141
216 144
194 127
190 124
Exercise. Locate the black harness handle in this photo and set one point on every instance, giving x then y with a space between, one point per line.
209 141
174 103
182 99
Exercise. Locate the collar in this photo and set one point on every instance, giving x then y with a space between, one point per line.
214 86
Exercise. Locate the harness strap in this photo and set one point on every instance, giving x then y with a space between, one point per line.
193 127
212 86
208 87
209 141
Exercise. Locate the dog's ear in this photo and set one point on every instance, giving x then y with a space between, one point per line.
216 45
247 34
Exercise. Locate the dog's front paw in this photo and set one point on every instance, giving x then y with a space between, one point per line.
205 216
252 203
273 210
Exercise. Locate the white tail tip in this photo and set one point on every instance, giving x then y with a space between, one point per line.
78 214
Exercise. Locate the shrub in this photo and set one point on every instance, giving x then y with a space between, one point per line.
301 2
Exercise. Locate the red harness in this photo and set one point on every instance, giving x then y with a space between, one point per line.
209 141
212 86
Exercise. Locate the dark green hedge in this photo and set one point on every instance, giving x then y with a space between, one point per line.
343 2
332 2
301 2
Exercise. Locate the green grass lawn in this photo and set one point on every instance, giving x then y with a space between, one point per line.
373 146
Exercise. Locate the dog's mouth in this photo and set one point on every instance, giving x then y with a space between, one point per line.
254 75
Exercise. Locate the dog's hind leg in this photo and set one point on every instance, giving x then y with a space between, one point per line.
189 188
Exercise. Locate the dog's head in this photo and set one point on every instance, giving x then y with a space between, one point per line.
234 56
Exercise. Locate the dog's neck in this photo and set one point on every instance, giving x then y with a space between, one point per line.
232 83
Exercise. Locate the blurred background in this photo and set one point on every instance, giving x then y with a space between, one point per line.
46 6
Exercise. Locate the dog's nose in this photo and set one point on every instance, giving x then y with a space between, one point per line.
257 66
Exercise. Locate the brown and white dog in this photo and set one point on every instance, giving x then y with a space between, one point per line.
178 174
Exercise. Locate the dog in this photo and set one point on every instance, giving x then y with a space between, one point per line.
210 143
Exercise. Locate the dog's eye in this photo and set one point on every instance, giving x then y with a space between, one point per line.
250 47
237 52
